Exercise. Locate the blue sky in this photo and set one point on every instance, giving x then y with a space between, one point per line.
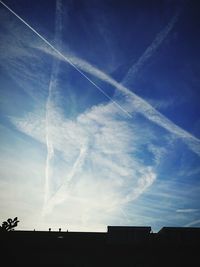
99 113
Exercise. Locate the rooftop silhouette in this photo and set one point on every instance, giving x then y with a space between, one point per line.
119 246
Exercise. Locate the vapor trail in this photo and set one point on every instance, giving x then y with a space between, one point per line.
196 222
50 106
133 102
51 198
50 153
50 148
60 195
66 59
150 50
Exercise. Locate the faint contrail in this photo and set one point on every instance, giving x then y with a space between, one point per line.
133 102
66 59
49 144
160 37
49 106
144 182
51 197
60 195
192 223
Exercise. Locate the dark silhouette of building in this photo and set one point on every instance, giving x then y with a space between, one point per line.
119 246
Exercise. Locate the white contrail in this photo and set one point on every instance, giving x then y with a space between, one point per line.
52 198
150 50
135 103
66 59
50 149
144 182
60 194
192 223
186 210
49 106
50 153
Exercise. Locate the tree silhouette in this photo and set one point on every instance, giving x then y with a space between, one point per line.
9 225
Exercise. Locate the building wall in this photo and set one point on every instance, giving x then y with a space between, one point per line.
121 247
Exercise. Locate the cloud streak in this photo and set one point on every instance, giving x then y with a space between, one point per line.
65 59
50 105
60 195
143 183
161 36
193 223
186 210
133 102
99 171
94 156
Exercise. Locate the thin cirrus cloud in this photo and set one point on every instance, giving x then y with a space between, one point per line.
83 151
186 210
142 178
133 100
50 102
17 59
193 223
96 151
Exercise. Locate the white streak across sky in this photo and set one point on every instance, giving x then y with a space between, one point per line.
103 159
50 105
151 49
52 197
66 59
133 102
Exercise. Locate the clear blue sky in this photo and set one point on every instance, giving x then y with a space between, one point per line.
102 126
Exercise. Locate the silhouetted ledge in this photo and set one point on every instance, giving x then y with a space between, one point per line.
119 246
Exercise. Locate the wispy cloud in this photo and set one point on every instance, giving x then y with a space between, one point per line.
157 151
17 58
161 104
55 50
21 178
97 124
91 160
52 90
193 223
132 101
186 210
96 151
189 172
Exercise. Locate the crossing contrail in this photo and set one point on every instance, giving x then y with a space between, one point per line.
52 198
50 106
60 194
133 102
66 59
151 49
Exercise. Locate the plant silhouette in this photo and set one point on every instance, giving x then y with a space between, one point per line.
9 225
